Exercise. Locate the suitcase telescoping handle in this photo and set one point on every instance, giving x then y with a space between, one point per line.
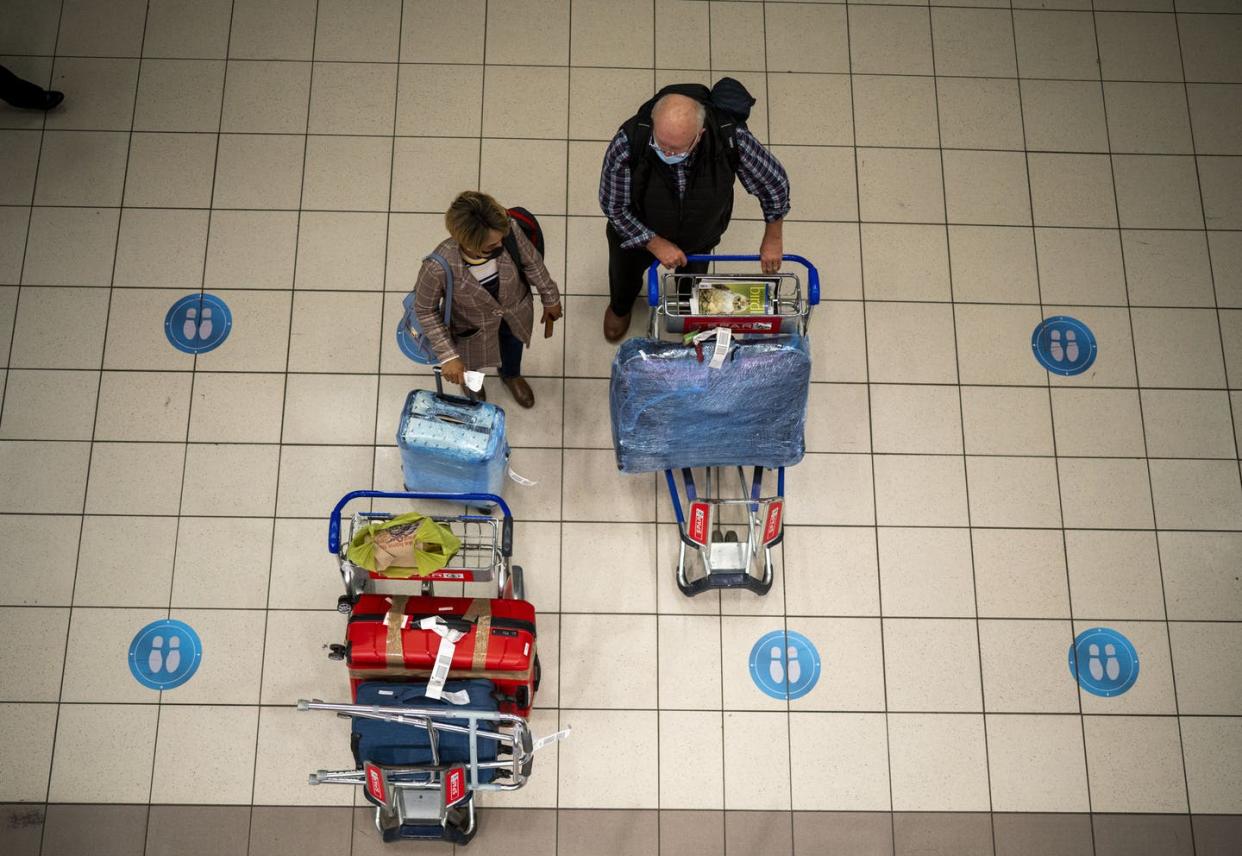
506 529
454 399
812 274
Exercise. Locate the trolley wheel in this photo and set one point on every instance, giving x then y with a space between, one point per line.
517 583
345 604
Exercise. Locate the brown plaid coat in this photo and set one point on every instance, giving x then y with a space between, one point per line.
473 333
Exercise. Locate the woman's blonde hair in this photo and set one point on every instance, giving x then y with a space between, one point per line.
471 216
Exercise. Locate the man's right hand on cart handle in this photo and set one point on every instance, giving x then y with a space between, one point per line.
669 254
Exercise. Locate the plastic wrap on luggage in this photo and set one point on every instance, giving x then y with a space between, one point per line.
671 410
452 445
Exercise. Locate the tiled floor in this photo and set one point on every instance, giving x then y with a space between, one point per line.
959 171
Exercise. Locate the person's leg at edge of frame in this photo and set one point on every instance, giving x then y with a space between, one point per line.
26 95
511 367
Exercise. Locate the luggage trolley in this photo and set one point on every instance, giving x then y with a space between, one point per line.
729 557
434 798
485 554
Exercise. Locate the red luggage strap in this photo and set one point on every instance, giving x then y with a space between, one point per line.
479 612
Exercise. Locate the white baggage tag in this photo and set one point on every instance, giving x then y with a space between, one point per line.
550 739
522 480
444 656
459 697
724 337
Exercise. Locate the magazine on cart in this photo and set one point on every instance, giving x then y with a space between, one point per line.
731 297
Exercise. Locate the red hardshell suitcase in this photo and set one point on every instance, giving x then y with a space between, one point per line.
384 641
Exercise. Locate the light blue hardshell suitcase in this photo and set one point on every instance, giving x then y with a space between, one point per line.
451 444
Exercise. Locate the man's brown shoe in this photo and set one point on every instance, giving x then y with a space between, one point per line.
521 391
615 326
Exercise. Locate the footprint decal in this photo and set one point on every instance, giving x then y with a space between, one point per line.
784 664
1103 662
165 654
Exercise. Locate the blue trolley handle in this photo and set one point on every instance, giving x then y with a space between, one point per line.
506 531
812 274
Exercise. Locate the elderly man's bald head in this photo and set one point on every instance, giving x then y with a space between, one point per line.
676 121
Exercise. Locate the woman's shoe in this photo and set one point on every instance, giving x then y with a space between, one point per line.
520 390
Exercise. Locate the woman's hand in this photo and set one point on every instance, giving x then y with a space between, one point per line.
550 314
454 371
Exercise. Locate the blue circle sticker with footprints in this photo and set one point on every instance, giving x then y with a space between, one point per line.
165 654
1064 345
784 665
1103 662
198 323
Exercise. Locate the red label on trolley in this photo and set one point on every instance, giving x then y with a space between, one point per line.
772 526
454 786
738 324
700 522
375 783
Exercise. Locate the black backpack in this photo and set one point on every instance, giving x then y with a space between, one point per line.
529 225
729 98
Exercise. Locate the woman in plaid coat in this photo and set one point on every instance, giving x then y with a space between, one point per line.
493 310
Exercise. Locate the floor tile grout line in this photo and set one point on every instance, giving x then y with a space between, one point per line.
1069 590
875 513
1151 489
258 736
560 580
961 413
60 690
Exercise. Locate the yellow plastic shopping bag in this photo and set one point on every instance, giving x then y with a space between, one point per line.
403 546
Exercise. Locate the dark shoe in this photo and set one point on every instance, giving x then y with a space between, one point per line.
615 326
51 99
521 391
481 395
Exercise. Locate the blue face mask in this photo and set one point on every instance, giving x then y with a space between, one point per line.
671 160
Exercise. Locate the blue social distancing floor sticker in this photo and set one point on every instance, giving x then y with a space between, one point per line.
1103 662
1064 345
198 323
165 654
784 665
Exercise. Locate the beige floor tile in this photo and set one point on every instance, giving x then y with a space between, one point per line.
1080 266
281 30
1210 747
1150 781
103 742
334 331
1024 666
518 31
259 171
1167 268
230 408
187 30
847 500
420 186
920 490
439 100
1221 182
26 739
1157 192
1101 493
825 178
1208 56
1138 46
1148 118
43 477
1198 579
612 567
994 344
135 478
585 159
13 229
852 659
979 113
898 185
1202 653
895 111
735 46
53 586
161 248
1098 423
910 342
1153 693
103 90
352 98
1020 572
33 653
1178 348
1196 494
217 743
312 478
810 109
844 763
890 40
930 664
341 251
585 402
610 761
1114 366
630 642
920 419
251 249
91 231
292 744
1056 44
526 101
1064 116
170 170
845 584
357 32
974 42
136 337
1072 190
938 762
1036 763
600 99
111 572
1214 111
926 572
689 659
304 575
838 345
993 264
347 173
432 33
81 168
738 637
837 418
986 188
756 771
612 34
21 161
1002 420
233 479
266 97
296 664
49 405
96 662
905 262
179 95
586 256
233 657
222 562
331 409
1114 574
691 763
529 173
629 497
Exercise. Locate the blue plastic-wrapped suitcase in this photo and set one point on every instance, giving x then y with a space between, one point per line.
452 444
671 409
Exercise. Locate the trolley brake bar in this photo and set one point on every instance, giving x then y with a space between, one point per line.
812 274
506 534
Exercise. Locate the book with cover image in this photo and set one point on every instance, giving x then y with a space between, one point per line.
731 297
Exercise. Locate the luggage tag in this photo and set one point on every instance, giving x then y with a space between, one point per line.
444 660
724 338
549 739
522 480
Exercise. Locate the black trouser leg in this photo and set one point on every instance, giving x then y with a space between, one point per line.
510 352
18 92
627 271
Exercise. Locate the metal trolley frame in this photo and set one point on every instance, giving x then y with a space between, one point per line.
722 559
437 796
485 554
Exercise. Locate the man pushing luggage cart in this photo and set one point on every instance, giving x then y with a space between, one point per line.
731 396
